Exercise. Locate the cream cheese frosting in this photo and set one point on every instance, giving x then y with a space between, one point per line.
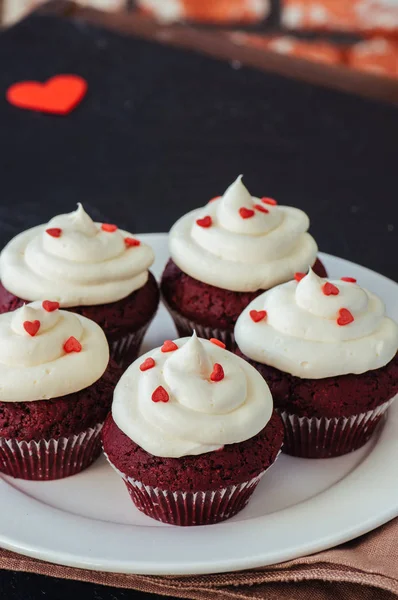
199 411
40 357
313 331
242 243
75 261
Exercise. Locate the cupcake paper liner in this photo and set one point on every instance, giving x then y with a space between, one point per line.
52 458
313 437
185 327
189 508
126 348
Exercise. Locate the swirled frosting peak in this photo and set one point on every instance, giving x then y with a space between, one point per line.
75 261
190 400
242 243
318 328
37 359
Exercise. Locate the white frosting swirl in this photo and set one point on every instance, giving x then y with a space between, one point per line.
201 415
243 254
301 335
84 266
36 367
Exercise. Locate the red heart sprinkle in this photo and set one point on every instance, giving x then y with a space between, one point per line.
246 213
330 290
54 231
50 306
148 363
257 315
31 327
217 342
217 373
169 346
58 95
214 199
299 276
269 201
205 222
261 208
108 227
72 345
349 279
160 395
130 242
345 317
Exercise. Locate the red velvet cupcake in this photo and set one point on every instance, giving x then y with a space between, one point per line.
97 270
226 254
56 390
329 356
192 432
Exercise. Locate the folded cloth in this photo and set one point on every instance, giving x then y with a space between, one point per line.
365 568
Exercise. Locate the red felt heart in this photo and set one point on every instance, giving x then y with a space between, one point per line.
72 345
58 95
160 395
258 315
217 373
31 327
345 317
50 306
299 276
169 346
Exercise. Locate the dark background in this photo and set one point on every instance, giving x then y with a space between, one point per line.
162 131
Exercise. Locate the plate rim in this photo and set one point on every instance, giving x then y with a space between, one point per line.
386 487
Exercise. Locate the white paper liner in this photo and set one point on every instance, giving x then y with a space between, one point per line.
186 327
190 508
125 350
313 437
50 458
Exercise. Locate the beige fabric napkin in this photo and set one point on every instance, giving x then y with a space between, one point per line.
365 568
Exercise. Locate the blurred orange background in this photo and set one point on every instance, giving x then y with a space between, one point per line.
373 25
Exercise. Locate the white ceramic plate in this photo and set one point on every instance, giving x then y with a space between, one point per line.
300 507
